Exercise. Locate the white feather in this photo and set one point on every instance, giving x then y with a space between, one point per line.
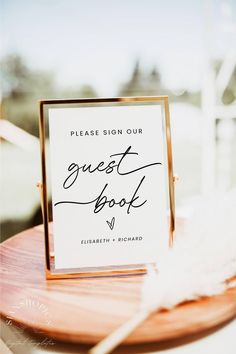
202 259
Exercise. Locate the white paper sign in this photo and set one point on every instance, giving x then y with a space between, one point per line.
108 182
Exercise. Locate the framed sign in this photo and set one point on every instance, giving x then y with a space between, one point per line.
107 171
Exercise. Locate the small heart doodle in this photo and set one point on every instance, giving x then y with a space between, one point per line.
111 223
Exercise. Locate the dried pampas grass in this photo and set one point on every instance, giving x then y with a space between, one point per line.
201 263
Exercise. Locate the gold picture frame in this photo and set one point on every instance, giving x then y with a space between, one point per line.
51 272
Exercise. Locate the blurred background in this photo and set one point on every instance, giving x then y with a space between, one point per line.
185 49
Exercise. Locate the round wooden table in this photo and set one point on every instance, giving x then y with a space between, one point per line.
86 310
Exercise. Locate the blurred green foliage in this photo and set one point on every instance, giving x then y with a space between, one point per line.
150 84
23 87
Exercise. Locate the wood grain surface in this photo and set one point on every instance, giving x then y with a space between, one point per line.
86 310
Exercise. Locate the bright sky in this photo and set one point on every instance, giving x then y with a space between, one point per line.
97 41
